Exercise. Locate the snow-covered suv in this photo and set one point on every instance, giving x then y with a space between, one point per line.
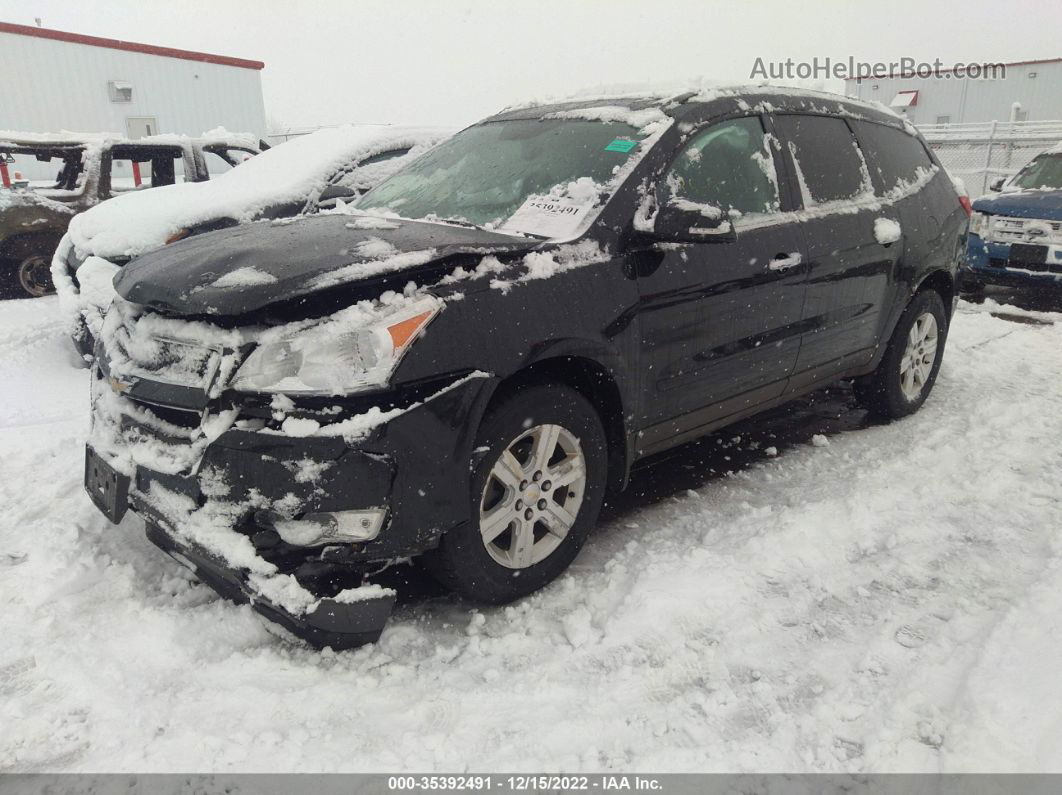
460 366
1016 234
304 175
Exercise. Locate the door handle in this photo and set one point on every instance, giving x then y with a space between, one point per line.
783 262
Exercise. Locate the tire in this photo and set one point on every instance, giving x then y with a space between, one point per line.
503 498
28 276
906 374
972 290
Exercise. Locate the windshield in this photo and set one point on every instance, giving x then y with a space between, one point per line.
1043 172
536 176
56 172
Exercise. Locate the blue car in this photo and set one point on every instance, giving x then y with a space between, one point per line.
1016 235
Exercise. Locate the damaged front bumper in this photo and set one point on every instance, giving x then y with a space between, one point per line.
351 618
329 622
213 502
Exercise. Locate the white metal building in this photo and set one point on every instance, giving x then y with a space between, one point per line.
1036 87
56 81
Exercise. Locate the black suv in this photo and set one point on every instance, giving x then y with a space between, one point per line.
459 366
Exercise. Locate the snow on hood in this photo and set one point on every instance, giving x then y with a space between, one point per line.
29 198
134 223
1038 203
239 270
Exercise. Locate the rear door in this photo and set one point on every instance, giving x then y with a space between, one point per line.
851 253
903 174
719 321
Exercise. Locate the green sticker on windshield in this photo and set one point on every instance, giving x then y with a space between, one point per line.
621 145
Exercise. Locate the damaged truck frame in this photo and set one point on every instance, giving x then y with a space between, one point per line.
34 214
459 366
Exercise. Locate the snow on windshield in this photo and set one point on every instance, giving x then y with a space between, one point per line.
1044 173
543 177
133 224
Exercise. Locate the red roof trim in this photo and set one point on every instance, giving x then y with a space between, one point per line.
128 46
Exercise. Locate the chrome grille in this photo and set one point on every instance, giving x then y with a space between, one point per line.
1006 229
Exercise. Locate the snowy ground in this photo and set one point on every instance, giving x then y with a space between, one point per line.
870 598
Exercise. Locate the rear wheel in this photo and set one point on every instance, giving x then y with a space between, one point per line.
536 494
908 370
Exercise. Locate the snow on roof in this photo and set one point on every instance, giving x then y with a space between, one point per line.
133 223
219 135
65 138
693 91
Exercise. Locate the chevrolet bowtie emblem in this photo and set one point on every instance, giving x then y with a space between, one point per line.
118 386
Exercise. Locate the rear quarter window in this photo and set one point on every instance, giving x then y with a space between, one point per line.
893 156
827 158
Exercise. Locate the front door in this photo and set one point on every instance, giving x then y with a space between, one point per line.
719 322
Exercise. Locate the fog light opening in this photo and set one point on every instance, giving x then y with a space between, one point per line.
337 527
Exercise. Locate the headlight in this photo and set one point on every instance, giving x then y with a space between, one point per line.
978 223
333 358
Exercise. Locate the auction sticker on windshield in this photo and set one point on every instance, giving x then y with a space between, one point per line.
548 216
621 145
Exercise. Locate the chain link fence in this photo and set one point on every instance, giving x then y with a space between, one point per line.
980 152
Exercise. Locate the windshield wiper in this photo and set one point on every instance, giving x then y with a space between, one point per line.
457 222
469 225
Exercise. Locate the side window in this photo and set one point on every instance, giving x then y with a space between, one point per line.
215 163
138 167
828 162
893 155
218 158
728 165
372 170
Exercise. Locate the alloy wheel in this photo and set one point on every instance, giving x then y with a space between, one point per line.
532 496
919 356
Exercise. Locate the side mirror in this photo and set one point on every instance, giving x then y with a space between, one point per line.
997 184
333 192
681 221
285 210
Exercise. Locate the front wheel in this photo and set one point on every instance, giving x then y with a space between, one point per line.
27 277
908 370
536 494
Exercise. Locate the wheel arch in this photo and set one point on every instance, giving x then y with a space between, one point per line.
943 283
23 244
595 381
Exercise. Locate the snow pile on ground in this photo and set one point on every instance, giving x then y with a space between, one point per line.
888 601
133 223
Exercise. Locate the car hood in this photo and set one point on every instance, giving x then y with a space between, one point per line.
1042 204
16 200
235 271
134 223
